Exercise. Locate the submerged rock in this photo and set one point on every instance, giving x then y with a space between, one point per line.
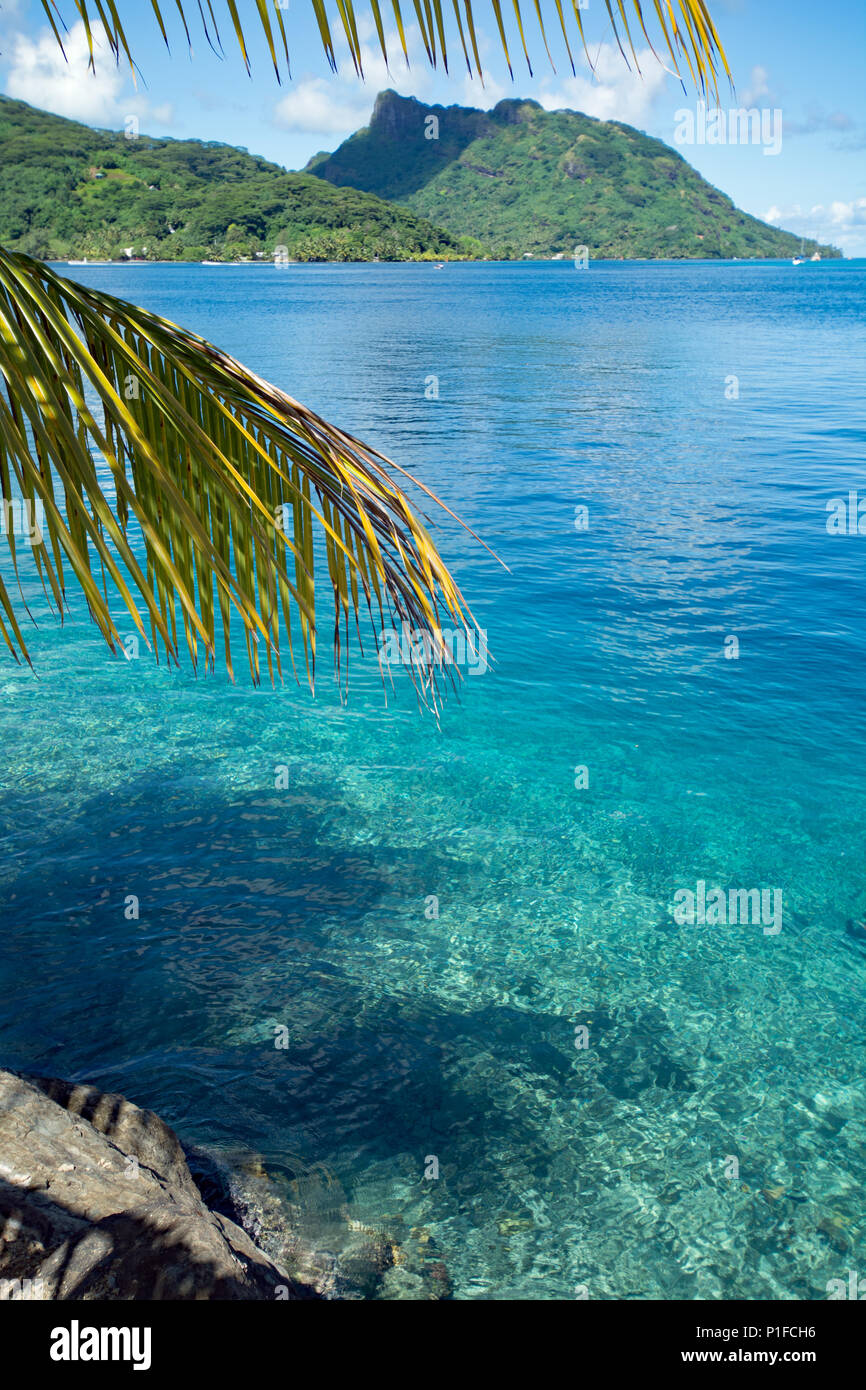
97 1202
300 1216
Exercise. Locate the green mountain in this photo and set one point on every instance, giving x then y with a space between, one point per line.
67 191
522 179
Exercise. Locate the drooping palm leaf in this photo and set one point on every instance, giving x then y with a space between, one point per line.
131 433
202 455
685 28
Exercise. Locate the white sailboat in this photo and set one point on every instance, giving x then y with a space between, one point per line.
801 259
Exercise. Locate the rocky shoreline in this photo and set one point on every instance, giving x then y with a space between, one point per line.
99 1200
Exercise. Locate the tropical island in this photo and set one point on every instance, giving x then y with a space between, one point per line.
68 192
524 180
505 184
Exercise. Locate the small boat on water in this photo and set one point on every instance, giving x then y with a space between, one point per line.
87 262
440 266
802 258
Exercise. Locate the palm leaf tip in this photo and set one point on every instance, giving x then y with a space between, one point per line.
171 476
684 28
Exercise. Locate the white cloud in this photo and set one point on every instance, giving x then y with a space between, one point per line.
40 75
848 215
758 87
610 90
817 121
324 105
484 97
339 104
841 223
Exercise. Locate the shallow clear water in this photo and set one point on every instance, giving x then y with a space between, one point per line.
412 1035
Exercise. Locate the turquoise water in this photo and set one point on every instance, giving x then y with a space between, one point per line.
605 1167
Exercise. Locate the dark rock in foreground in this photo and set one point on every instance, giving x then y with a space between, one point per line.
97 1202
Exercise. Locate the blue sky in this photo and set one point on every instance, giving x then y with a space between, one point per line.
786 55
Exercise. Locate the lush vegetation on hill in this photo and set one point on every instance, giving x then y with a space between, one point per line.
522 179
67 191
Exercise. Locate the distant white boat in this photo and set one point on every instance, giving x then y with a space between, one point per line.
440 266
799 260
224 263
87 262
816 257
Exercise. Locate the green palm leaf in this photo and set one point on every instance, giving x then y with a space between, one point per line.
167 470
223 480
685 28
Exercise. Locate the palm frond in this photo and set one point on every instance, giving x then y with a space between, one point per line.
683 27
171 475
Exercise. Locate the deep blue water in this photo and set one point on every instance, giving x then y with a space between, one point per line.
410 1035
